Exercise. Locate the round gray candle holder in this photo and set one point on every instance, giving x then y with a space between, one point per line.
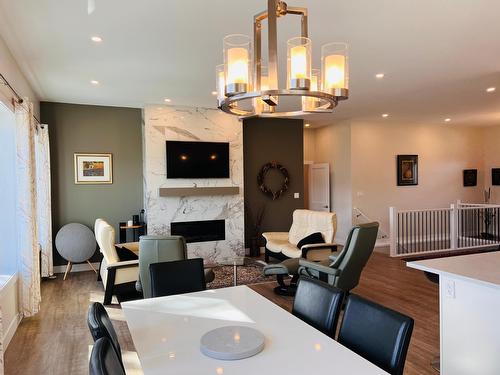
232 343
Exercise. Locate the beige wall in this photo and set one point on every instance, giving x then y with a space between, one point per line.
444 152
491 139
333 146
309 145
362 158
11 71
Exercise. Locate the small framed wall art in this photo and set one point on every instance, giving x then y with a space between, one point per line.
407 166
93 168
470 177
495 176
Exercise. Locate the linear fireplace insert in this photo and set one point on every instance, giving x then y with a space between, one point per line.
199 231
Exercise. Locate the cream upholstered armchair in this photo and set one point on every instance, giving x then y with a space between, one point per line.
283 245
114 273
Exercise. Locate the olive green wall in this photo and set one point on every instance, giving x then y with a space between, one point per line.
84 128
264 141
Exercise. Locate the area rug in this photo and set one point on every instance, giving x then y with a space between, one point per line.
246 275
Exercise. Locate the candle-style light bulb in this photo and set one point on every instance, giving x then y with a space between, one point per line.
237 70
334 72
299 62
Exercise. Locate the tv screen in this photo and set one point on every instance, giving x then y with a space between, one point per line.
197 159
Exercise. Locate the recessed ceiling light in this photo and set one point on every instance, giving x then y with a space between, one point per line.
214 92
94 82
379 75
491 89
307 125
385 115
96 39
447 119
167 100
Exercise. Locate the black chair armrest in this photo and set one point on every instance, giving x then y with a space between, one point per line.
125 264
305 264
317 246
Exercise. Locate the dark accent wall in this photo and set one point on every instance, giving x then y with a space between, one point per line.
266 140
84 128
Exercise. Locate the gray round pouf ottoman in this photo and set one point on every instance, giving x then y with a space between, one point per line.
76 243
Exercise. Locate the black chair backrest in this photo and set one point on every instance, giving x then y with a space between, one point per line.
318 304
100 326
103 359
177 277
355 255
376 333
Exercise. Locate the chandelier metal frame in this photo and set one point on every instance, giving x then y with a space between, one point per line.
327 101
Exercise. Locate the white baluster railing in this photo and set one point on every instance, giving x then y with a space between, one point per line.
461 226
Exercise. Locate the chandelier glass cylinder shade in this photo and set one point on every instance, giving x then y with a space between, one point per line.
245 87
299 64
236 64
334 67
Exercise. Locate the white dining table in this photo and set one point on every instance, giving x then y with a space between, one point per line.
166 332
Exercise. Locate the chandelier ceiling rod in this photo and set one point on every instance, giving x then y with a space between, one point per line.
275 9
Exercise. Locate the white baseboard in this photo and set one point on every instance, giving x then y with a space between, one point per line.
9 302
382 250
80 267
10 330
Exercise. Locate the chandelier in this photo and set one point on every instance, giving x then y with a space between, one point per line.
245 87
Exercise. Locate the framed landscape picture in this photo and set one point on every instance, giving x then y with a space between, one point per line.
407 170
93 168
470 177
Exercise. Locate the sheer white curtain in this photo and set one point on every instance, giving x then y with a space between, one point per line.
43 203
27 239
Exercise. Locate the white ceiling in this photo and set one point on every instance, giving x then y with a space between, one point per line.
439 56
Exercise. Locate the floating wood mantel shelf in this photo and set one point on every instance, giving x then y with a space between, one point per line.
199 191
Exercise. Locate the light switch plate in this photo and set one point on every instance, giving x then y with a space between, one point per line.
449 289
296 195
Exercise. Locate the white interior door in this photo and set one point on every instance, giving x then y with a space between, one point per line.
319 187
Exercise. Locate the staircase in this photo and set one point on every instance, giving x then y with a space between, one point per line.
359 217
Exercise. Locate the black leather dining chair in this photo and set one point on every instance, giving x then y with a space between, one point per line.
100 326
318 304
376 333
103 359
177 277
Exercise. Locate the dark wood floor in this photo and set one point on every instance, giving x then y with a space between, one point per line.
56 341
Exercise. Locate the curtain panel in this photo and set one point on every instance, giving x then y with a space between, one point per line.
43 199
26 212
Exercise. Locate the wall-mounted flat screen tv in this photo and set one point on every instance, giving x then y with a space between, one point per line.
197 159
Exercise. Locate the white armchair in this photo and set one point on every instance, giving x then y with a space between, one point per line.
113 273
283 245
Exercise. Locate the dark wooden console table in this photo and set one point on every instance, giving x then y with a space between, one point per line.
137 230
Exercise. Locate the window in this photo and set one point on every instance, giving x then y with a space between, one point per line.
8 248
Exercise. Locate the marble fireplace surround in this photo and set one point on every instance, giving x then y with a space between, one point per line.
163 123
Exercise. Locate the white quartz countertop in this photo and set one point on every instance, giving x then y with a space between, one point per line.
481 268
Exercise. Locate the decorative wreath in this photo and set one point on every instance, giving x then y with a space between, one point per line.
262 176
